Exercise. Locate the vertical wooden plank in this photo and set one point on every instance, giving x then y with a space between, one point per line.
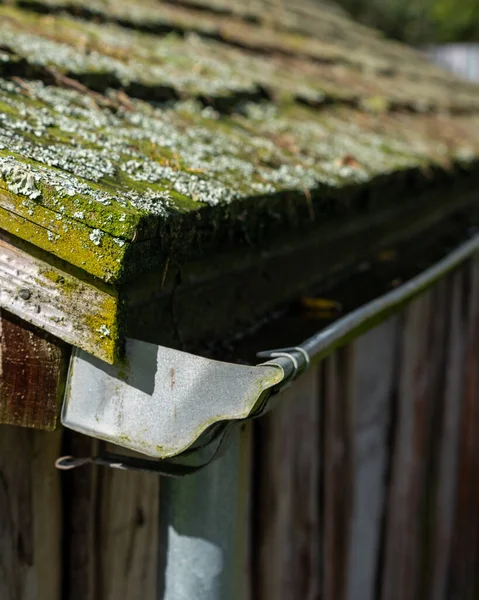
32 374
373 386
286 535
448 436
112 530
47 514
463 583
127 535
30 515
421 374
337 469
403 504
80 508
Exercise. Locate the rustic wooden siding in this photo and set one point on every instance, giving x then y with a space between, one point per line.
397 452
89 534
364 485
287 519
111 530
30 515
32 374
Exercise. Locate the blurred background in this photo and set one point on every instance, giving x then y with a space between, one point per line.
420 22
448 30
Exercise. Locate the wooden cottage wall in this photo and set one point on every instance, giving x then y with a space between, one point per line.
367 479
363 482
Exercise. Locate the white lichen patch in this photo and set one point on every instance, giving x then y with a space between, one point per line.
104 331
160 155
107 168
20 179
96 236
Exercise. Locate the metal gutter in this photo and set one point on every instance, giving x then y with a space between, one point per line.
367 316
179 408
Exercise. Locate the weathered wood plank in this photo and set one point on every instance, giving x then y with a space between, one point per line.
448 436
284 28
373 385
33 367
47 514
420 379
463 580
80 497
286 536
72 310
30 515
337 471
127 534
112 531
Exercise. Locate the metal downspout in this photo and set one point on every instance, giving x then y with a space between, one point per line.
203 528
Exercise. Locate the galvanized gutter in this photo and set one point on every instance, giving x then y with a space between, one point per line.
179 408
367 316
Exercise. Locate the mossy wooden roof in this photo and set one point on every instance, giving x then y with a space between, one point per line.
133 135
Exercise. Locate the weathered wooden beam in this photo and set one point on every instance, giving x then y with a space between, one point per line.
33 367
68 308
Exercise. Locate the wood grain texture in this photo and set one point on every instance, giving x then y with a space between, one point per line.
463 577
337 471
420 383
441 507
33 366
112 531
30 515
373 387
286 534
128 534
59 303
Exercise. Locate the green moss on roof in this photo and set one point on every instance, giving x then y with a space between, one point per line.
106 55
119 143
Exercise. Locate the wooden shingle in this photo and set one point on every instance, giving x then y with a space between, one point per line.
147 151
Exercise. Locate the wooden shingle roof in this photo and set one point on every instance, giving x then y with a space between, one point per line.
135 139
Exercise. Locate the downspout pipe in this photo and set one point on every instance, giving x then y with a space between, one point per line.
203 530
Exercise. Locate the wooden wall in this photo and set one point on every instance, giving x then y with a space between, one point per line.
364 481
367 480
90 534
